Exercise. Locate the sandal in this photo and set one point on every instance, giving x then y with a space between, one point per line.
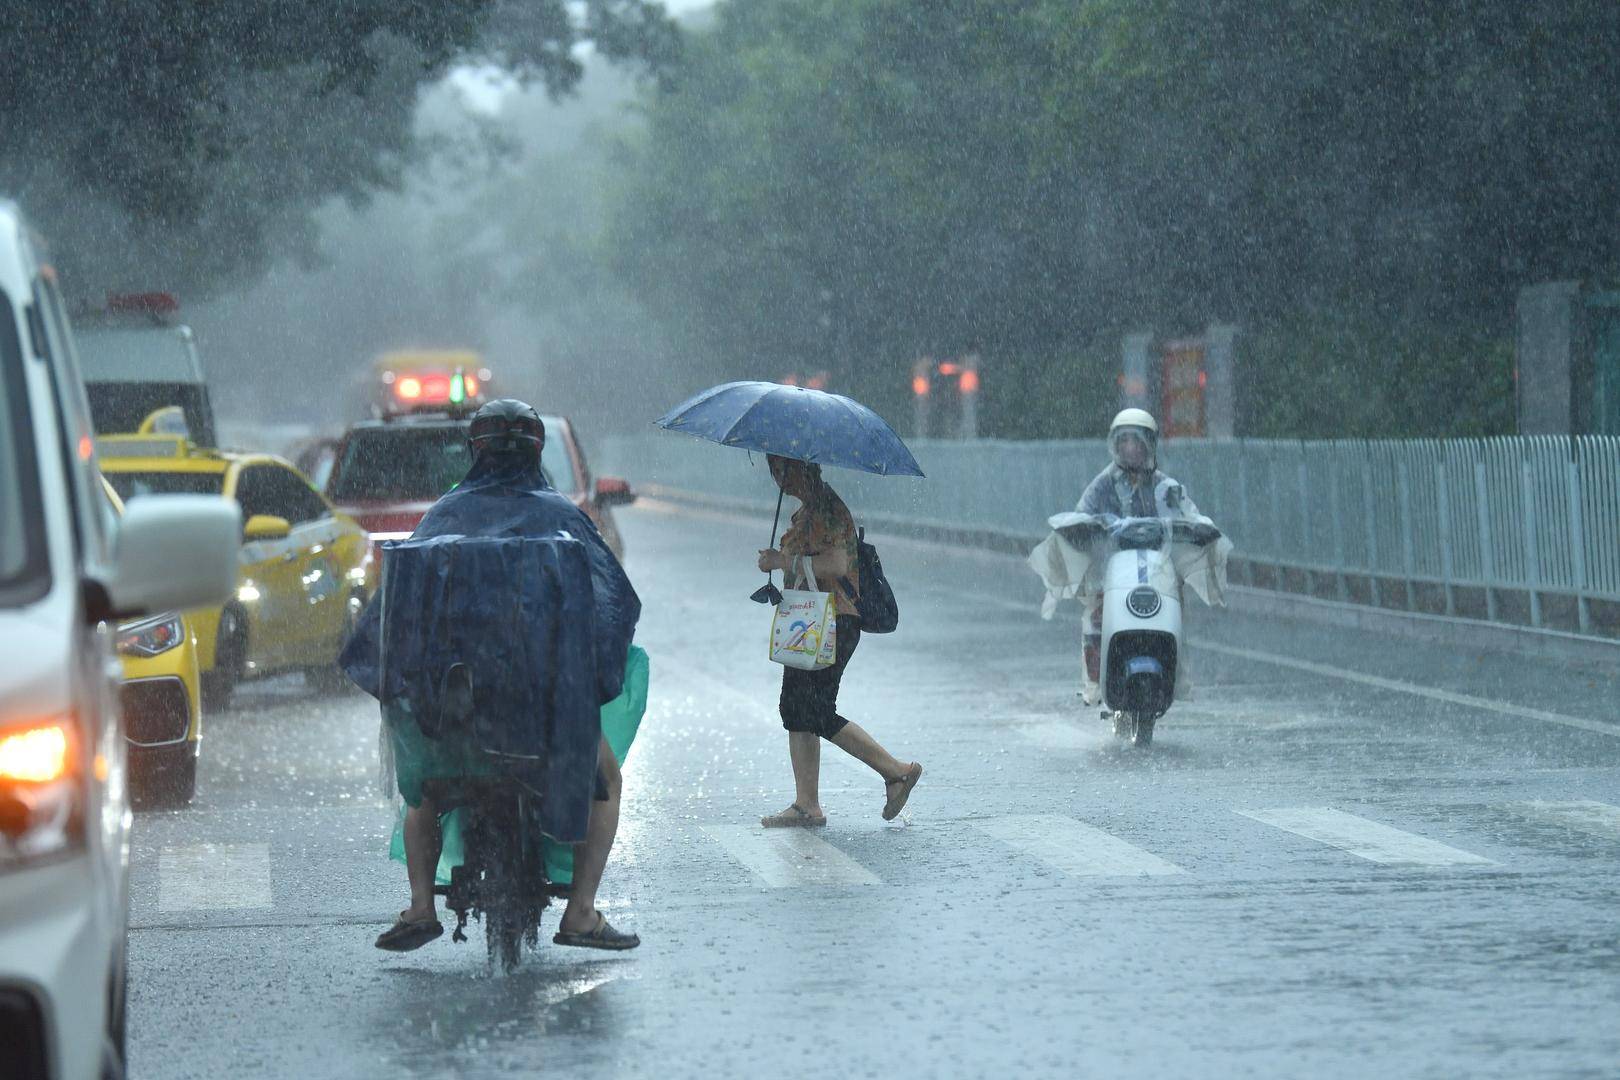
897 799
794 817
603 937
404 936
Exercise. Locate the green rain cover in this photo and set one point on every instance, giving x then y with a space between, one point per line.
621 719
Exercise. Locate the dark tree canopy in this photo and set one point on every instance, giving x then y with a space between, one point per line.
847 184
183 143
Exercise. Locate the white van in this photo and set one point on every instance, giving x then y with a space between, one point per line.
67 568
137 360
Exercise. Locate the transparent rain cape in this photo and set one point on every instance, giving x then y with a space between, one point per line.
1072 572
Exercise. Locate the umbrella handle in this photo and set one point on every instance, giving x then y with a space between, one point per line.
775 521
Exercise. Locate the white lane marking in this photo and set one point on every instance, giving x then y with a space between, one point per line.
214 877
784 858
1075 848
1587 815
1450 696
1370 840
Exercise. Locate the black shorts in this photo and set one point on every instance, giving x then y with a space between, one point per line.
810 698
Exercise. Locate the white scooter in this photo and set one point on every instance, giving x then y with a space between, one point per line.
1141 610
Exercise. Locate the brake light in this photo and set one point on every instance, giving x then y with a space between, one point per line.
470 384
409 388
436 388
969 382
36 756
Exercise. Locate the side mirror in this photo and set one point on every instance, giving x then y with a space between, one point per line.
611 491
173 552
267 527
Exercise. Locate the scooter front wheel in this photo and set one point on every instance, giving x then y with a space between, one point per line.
1144 733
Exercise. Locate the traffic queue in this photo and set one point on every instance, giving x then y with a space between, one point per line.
146 573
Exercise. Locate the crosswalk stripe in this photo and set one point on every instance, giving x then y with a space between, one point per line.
1587 815
1074 847
784 858
214 877
1365 839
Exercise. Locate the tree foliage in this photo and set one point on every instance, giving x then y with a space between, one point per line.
184 143
847 184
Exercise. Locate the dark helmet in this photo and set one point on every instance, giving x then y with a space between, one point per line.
507 426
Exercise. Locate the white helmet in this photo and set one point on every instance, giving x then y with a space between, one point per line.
1133 440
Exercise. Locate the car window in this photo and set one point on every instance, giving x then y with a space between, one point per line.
402 463
130 484
557 459
278 491
23 564
300 498
73 411
418 463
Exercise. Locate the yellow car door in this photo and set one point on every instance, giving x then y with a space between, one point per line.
272 590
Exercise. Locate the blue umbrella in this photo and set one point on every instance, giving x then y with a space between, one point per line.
794 422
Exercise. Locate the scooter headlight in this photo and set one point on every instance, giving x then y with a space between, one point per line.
1143 601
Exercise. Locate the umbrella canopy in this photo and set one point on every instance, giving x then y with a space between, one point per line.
794 422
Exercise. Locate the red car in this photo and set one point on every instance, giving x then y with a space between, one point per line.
385 474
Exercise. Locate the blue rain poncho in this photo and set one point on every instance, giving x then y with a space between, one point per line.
512 580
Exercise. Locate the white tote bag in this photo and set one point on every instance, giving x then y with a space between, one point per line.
804 630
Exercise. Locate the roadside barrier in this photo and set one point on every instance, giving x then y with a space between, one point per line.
1523 531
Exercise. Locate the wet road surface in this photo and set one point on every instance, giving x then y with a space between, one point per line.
1344 855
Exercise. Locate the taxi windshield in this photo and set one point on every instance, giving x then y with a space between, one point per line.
130 484
418 464
22 556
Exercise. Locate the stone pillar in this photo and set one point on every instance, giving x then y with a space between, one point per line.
1220 386
1548 353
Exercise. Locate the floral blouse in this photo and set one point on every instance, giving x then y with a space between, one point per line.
820 526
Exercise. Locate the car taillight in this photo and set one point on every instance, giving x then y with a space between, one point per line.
34 756
409 388
42 795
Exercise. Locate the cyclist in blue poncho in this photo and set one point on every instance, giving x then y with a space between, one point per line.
505 494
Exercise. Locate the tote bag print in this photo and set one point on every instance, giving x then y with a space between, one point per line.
804 630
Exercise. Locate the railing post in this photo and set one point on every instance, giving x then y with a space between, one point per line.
1532 553
1372 531
1487 549
1338 530
1446 569
1403 489
1577 543
1306 550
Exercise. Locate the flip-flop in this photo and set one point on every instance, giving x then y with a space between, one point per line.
897 801
404 936
794 817
603 937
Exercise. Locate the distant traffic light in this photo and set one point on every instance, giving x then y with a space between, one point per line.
960 379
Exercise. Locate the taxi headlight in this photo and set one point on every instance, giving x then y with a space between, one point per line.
41 797
151 637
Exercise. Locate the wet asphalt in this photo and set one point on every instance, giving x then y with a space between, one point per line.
1305 875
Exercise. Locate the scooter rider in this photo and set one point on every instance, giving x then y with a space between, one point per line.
1131 486
505 493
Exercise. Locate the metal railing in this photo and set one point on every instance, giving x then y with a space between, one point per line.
1523 530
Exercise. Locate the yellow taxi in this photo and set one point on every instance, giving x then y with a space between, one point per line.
305 567
162 704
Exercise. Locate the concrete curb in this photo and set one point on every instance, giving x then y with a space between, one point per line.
1457 632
